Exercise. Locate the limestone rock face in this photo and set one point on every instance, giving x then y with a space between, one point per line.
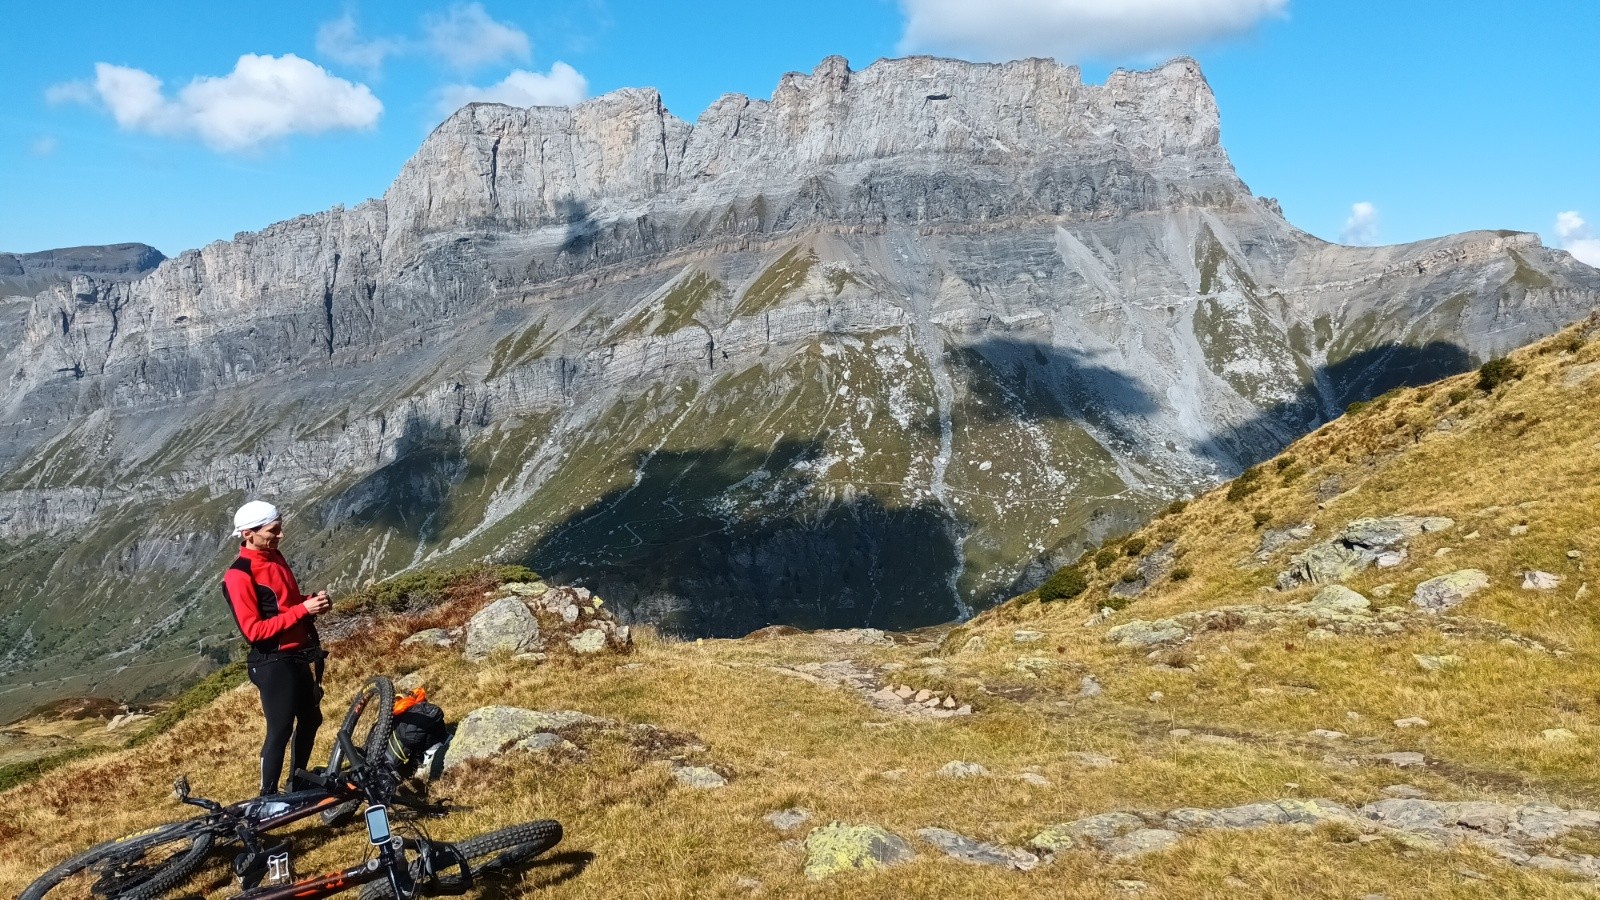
919 283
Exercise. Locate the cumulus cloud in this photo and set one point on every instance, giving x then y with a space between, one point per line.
466 38
562 86
69 92
1361 229
340 40
1075 30
1574 236
264 99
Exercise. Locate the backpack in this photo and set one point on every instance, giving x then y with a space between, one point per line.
418 725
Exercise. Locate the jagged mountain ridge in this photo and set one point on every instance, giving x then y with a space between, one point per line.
830 358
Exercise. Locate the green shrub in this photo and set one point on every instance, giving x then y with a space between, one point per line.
1104 557
198 697
1066 583
1134 546
1458 396
1131 577
1248 482
1261 517
1358 407
429 587
1496 372
1284 462
1175 507
1181 573
1116 603
1292 473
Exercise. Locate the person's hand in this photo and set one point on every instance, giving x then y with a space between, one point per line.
318 603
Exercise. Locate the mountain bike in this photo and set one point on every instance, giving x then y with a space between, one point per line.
145 864
410 867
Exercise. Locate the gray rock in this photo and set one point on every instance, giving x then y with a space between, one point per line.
1390 559
788 819
1027 637
837 847
590 640
1430 663
1140 633
1098 831
960 769
1326 735
1412 722
504 625
699 777
968 850
1391 532
1540 581
1142 842
1091 760
1449 591
526 588
1338 600
488 731
1089 686
429 637
1402 760
1275 539
1325 563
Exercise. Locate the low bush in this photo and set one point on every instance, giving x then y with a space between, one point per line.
1181 573
1134 546
1066 583
430 587
1248 482
1496 372
1104 557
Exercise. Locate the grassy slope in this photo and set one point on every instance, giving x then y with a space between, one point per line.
1528 448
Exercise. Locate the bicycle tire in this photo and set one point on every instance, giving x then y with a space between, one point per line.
486 854
374 704
121 868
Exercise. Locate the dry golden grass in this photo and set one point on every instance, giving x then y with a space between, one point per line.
634 833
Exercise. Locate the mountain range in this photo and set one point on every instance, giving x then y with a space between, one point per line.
881 350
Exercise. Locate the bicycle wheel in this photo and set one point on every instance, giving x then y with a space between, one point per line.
136 867
367 721
487 854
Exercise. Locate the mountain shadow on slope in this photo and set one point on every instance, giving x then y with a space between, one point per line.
412 494
674 549
1359 377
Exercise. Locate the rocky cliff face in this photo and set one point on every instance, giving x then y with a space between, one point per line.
878 350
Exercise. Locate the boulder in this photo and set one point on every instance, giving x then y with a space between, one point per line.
838 847
1325 563
1096 831
1540 581
699 777
429 637
1449 591
787 819
590 640
490 730
960 769
1390 532
1338 601
526 588
1140 633
505 624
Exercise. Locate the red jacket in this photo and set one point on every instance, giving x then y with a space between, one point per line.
267 603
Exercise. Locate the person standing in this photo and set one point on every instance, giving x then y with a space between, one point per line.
286 657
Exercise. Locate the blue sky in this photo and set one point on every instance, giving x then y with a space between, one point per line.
1371 122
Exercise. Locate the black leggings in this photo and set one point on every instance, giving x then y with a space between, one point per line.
291 700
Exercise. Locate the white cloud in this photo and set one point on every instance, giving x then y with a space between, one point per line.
1075 30
563 86
1574 236
44 146
1361 229
340 40
263 99
69 92
466 38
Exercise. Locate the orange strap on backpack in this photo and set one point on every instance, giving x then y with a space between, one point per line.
412 699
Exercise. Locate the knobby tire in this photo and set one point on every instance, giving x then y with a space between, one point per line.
486 854
86 874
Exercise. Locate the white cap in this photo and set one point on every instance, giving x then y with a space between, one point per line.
253 515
